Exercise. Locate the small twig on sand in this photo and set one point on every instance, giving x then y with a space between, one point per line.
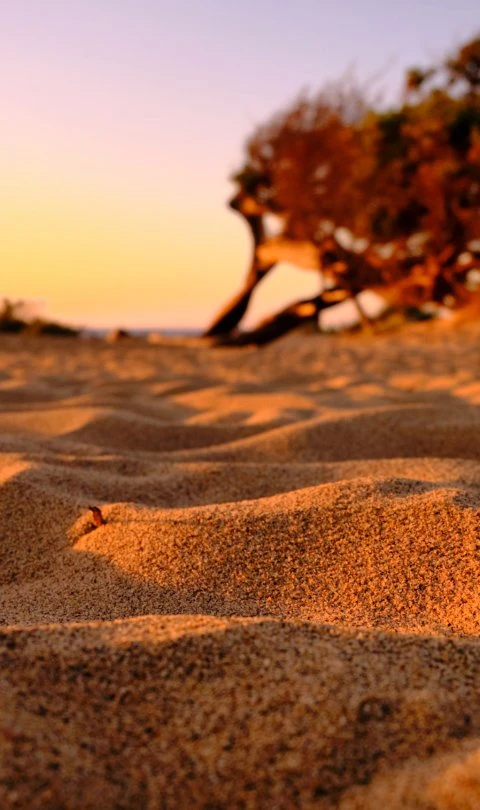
98 518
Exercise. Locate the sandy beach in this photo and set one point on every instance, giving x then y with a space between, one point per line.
282 608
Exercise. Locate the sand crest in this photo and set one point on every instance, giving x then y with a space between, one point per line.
283 606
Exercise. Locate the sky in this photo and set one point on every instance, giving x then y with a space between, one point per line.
122 120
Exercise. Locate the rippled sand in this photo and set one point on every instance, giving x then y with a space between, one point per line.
283 607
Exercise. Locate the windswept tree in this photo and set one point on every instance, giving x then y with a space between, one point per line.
386 200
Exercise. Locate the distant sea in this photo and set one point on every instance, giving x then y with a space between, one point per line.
101 333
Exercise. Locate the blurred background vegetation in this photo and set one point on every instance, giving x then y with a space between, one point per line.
17 317
388 198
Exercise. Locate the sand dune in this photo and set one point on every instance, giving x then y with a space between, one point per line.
172 710
421 430
283 607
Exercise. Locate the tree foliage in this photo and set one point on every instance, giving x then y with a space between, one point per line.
403 182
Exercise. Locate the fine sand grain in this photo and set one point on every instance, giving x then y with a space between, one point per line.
282 609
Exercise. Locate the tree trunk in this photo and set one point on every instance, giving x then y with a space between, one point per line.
273 327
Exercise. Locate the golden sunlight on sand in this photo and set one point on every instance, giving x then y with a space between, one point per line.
282 606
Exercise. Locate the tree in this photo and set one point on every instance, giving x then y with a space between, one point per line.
385 197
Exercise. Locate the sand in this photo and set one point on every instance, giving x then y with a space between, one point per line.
283 607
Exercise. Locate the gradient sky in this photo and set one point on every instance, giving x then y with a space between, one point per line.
121 121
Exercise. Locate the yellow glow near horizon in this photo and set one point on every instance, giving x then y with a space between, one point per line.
99 258
114 254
